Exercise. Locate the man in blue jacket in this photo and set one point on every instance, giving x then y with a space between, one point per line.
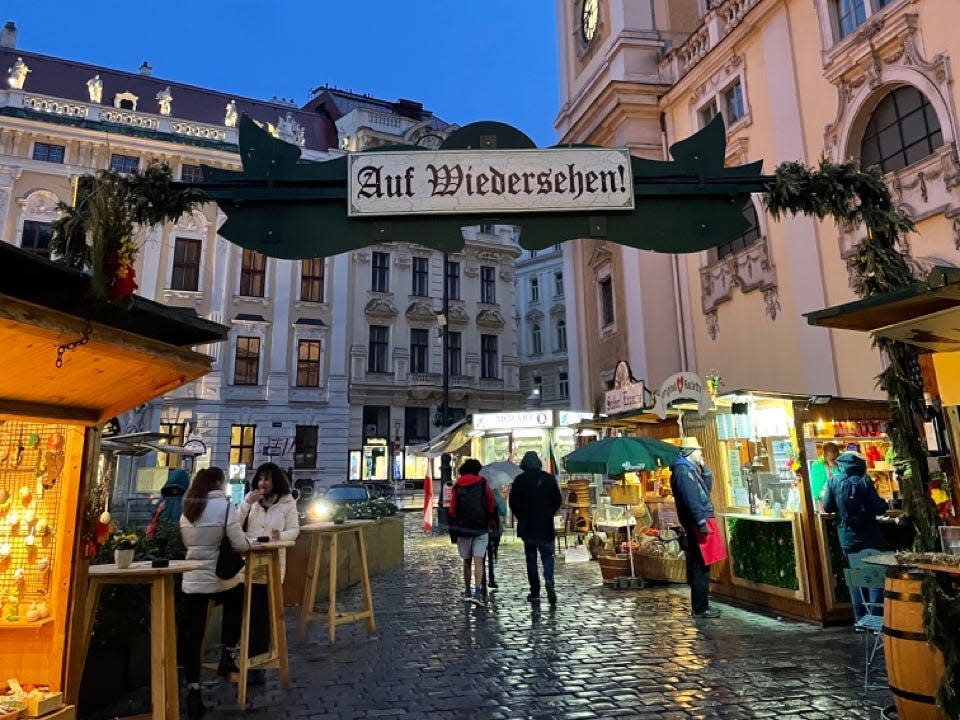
851 495
691 481
534 500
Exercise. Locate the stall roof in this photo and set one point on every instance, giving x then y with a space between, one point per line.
126 357
939 291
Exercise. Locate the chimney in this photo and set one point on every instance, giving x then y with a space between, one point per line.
145 69
8 36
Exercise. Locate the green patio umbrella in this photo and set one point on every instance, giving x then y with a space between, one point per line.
613 456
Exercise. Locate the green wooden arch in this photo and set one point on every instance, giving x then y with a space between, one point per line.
286 207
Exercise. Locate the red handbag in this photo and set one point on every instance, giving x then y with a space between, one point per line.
711 545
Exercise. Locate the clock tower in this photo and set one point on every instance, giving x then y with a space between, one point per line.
610 86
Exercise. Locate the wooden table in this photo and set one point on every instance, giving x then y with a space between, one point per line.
164 693
263 563
331 532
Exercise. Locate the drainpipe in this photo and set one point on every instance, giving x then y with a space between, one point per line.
675 260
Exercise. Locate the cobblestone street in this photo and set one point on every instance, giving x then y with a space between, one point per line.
600 654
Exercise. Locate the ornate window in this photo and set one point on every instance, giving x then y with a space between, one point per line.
48 153
563 391
488 284
186 264
850 14
176 433
419 342
379 342
380 276
124 163
561 336
489 361
36 237
558 283
246 366
453 280
421 277
305 446
606 301
242 444
536 340
902 130
454 340
308 363
311 280
534 289
253 274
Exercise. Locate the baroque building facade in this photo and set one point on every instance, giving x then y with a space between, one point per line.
299 381
794 79
542 328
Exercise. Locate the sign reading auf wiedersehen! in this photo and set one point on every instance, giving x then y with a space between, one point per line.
470 181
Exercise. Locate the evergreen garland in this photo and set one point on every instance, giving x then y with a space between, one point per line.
852 197
96 232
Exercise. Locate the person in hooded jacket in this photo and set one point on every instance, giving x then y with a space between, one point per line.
267 511
170 506
534 500
851 495
207 517
691 482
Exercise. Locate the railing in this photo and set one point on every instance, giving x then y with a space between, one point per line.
719 22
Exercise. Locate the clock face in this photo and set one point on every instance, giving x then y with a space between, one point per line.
589 15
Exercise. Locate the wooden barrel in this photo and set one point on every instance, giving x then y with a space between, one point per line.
914 668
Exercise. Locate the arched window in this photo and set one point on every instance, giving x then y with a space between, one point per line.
902 130
561 335
748 238
536 341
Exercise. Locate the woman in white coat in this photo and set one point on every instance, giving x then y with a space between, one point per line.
267 511
207 517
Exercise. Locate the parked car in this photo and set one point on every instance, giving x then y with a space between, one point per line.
336 496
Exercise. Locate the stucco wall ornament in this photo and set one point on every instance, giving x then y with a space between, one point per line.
165 100
17 74
230 118
380 307
290 130
490 318
422 312
750 269
95 89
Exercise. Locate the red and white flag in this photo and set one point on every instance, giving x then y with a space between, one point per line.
427 504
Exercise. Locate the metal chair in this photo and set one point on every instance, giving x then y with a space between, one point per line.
862 580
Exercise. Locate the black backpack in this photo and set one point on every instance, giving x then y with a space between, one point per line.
472 518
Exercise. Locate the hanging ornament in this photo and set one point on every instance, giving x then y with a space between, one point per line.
29 516
5 550
55 442
33 612
29 540
26 495
19 574
43 564
42 527
33 440
105 517
42 609
13 519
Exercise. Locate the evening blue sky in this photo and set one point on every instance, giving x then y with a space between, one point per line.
465 60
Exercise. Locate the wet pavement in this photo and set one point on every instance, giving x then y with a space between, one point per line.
601 653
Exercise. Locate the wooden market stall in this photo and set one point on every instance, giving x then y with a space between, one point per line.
70 363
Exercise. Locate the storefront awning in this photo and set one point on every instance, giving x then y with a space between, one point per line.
449 440
902 315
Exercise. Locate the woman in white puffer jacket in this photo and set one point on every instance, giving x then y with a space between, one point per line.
207 517
267 511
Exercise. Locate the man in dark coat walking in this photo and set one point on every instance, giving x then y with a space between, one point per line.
691 481
534 500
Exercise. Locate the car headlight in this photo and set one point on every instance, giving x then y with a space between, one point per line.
321 509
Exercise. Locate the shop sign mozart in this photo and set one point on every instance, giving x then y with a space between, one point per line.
465 181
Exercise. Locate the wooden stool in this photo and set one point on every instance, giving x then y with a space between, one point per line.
164 694
330 532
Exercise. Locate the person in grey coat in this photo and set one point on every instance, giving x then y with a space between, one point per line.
207 516
534 500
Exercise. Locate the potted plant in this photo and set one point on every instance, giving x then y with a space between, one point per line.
124 545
